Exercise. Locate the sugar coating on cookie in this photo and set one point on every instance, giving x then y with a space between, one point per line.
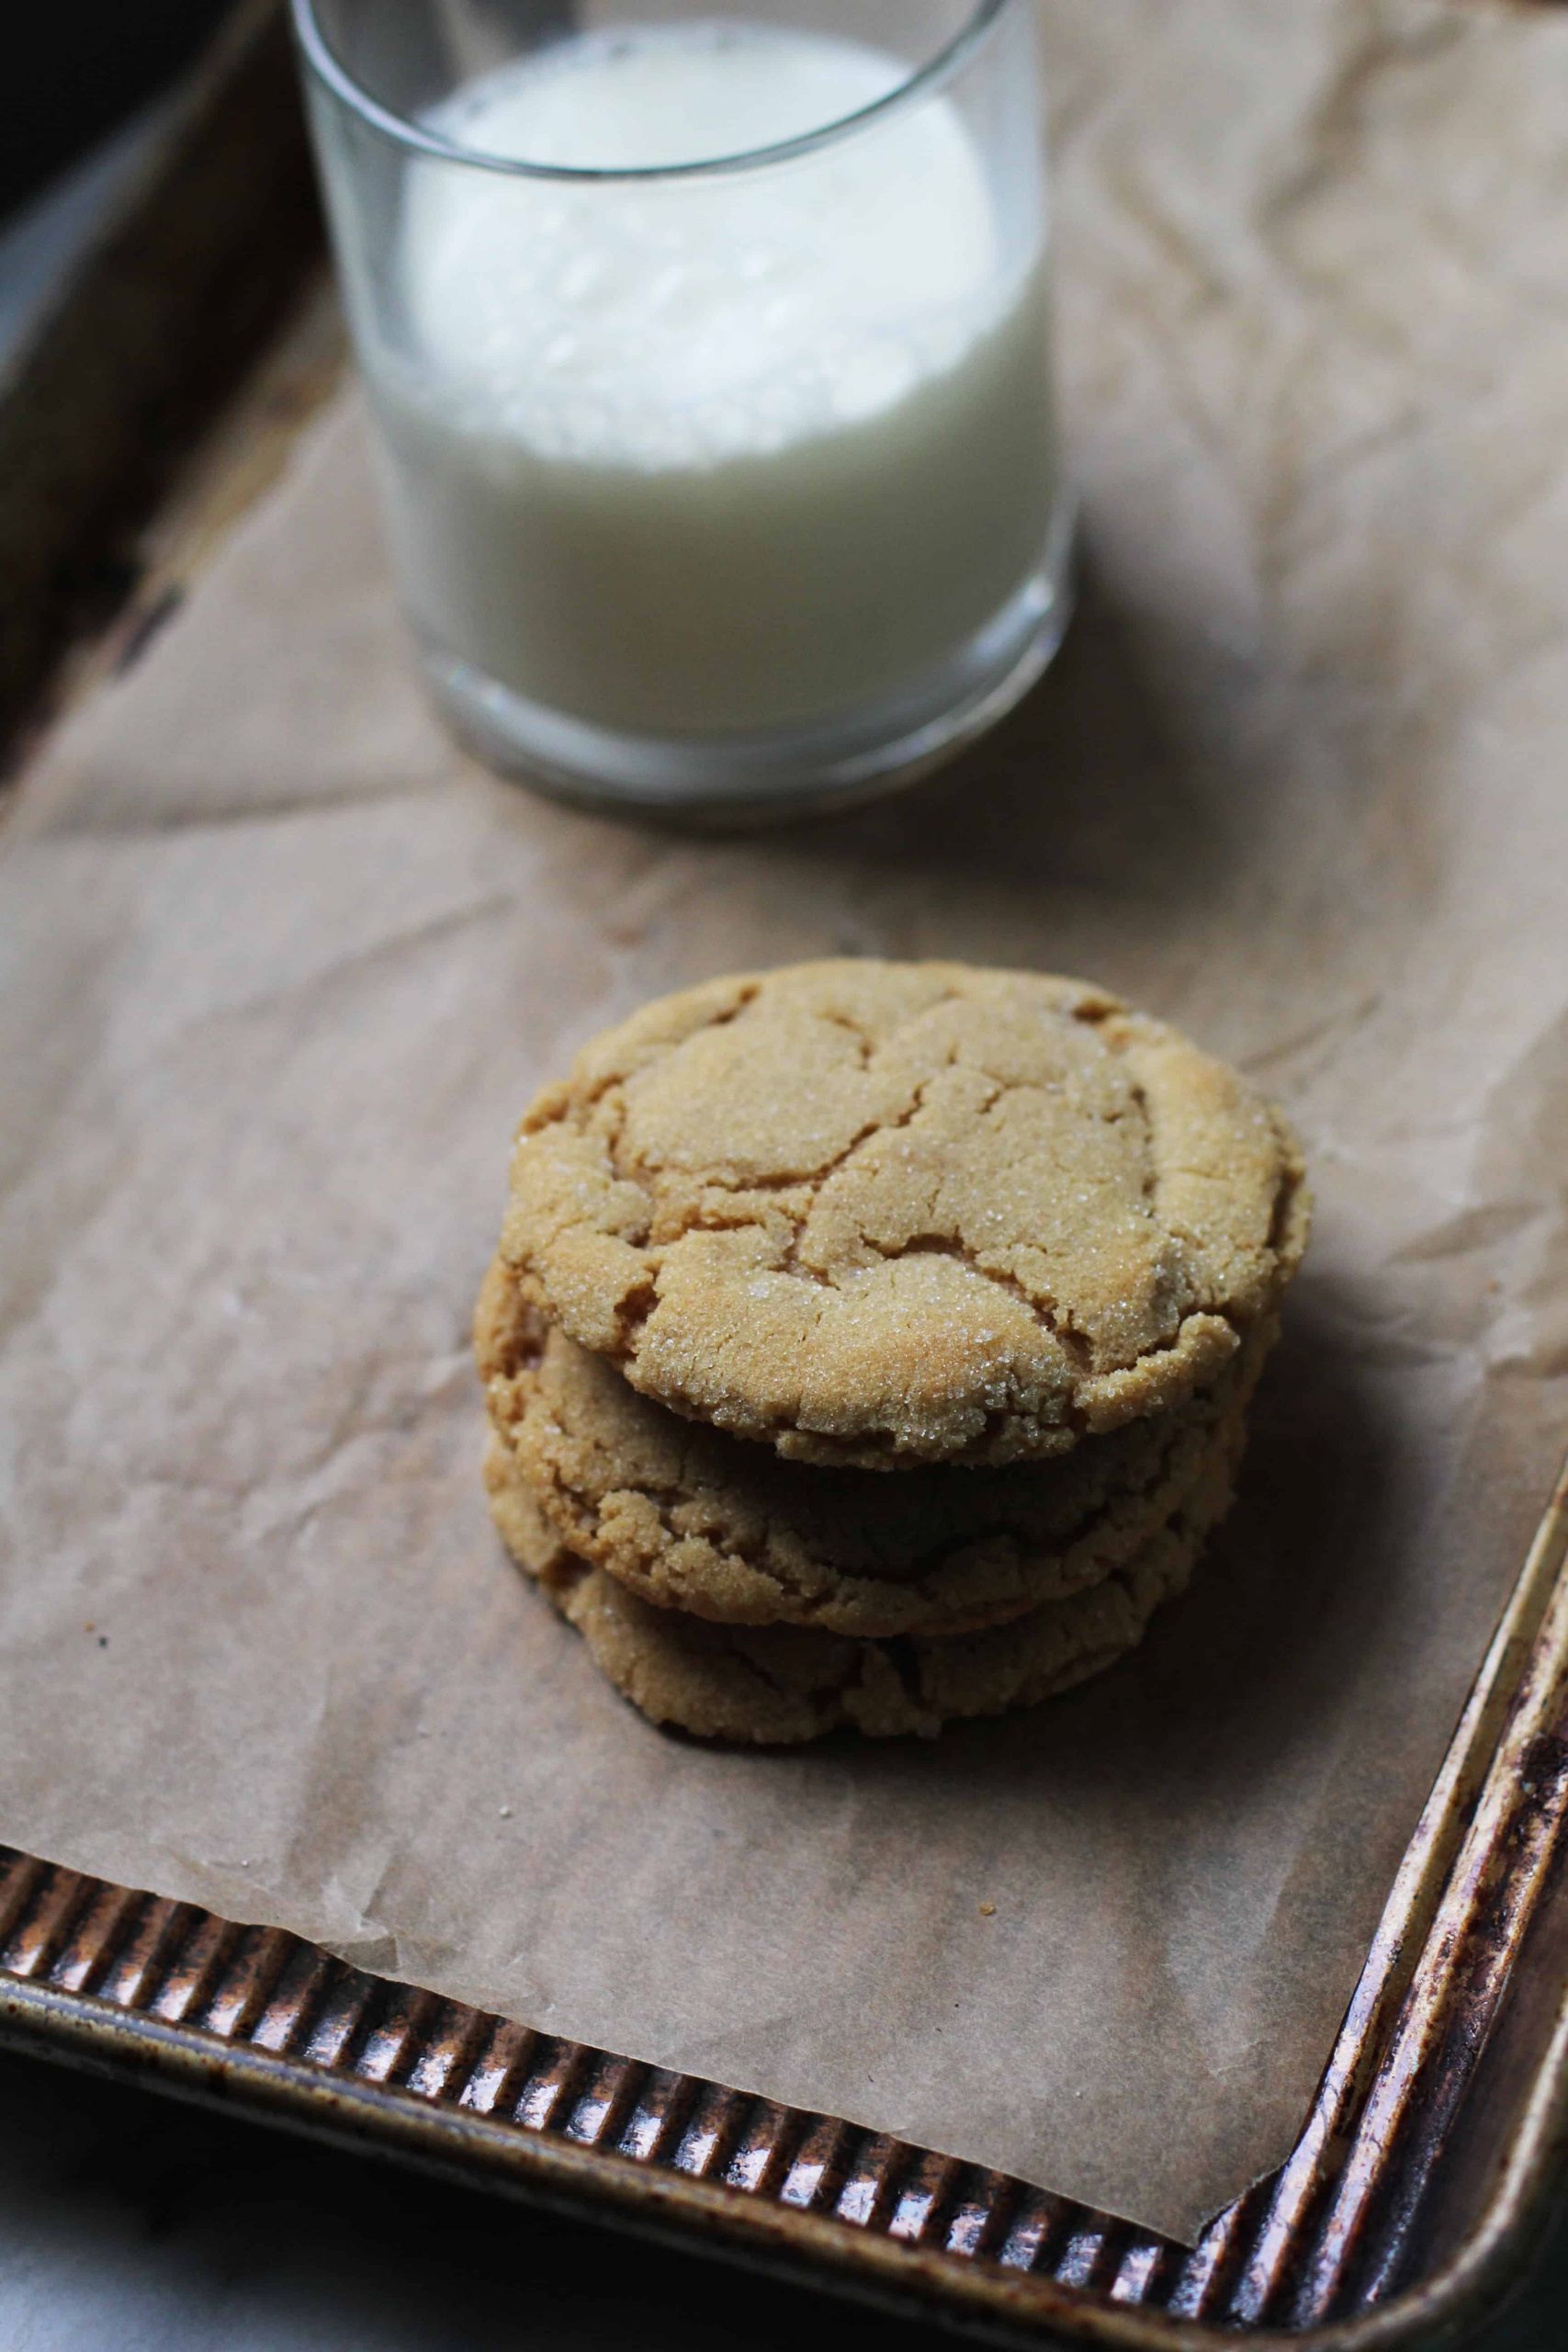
781 1685
876 1213
694 1520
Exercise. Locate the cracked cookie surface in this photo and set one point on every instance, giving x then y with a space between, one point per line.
693 1520
876 1213
781 1685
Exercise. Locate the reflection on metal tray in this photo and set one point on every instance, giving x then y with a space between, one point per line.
1440 2127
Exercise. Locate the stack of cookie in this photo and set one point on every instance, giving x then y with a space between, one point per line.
871 1343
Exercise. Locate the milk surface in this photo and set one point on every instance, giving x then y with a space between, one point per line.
729 450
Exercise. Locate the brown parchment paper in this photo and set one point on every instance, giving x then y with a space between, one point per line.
281 969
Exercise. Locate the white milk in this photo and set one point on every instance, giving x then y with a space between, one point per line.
710 454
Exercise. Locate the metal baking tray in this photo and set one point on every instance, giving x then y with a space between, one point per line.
1439 2132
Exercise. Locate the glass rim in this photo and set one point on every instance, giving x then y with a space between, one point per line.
938 70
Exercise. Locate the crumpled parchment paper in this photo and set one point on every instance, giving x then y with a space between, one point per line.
281 970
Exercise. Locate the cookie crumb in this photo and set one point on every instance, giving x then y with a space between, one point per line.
988 1910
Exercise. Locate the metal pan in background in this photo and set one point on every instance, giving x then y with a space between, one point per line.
1441 2130
1439 2133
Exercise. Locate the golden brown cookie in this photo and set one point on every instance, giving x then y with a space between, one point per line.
878 1213
780 1685
693 1520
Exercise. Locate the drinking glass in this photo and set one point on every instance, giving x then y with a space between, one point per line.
707 349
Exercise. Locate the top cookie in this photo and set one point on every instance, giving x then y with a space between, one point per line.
880 1213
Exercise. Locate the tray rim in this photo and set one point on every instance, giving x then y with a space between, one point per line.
810 2249
1483 1806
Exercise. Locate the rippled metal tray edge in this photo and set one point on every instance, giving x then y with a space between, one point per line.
1342 2243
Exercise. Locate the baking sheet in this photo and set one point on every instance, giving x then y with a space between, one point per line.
281 969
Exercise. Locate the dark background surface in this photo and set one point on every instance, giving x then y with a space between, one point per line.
74 71
132 2222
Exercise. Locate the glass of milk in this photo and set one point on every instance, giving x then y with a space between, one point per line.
707 349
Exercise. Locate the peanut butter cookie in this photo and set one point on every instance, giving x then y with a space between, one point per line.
875 1214
780 1685
693 1520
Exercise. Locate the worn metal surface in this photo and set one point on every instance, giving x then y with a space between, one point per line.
99 409
1362 2239
1338 2244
